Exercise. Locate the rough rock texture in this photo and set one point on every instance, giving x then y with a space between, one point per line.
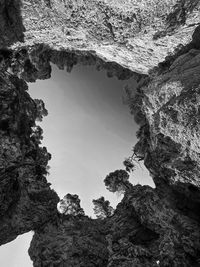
26 199
33 63
11 25
174 118
135 34
145 230
150 227
70 241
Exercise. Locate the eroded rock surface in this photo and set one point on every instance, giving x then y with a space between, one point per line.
135 34
11 25
26 199
145 230
70 241
150 227
170 106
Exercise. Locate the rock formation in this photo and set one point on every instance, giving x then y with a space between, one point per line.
145 230
26 199
154 42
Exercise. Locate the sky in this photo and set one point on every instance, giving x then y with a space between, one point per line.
89 132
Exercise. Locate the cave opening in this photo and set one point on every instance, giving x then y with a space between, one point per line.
89 131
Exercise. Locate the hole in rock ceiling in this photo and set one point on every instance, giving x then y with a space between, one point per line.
89 132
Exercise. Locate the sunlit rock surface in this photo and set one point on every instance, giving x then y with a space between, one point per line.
171 107
150 227
135 34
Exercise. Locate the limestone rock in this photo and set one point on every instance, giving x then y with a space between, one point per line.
135 34
170 113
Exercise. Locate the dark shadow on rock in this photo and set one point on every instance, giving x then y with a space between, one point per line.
36 63
186 199
26 199
11 25
177 17
179 51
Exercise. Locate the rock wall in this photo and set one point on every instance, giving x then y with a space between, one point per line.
135 34
70 241
145 230
170 106
26 199
150 227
